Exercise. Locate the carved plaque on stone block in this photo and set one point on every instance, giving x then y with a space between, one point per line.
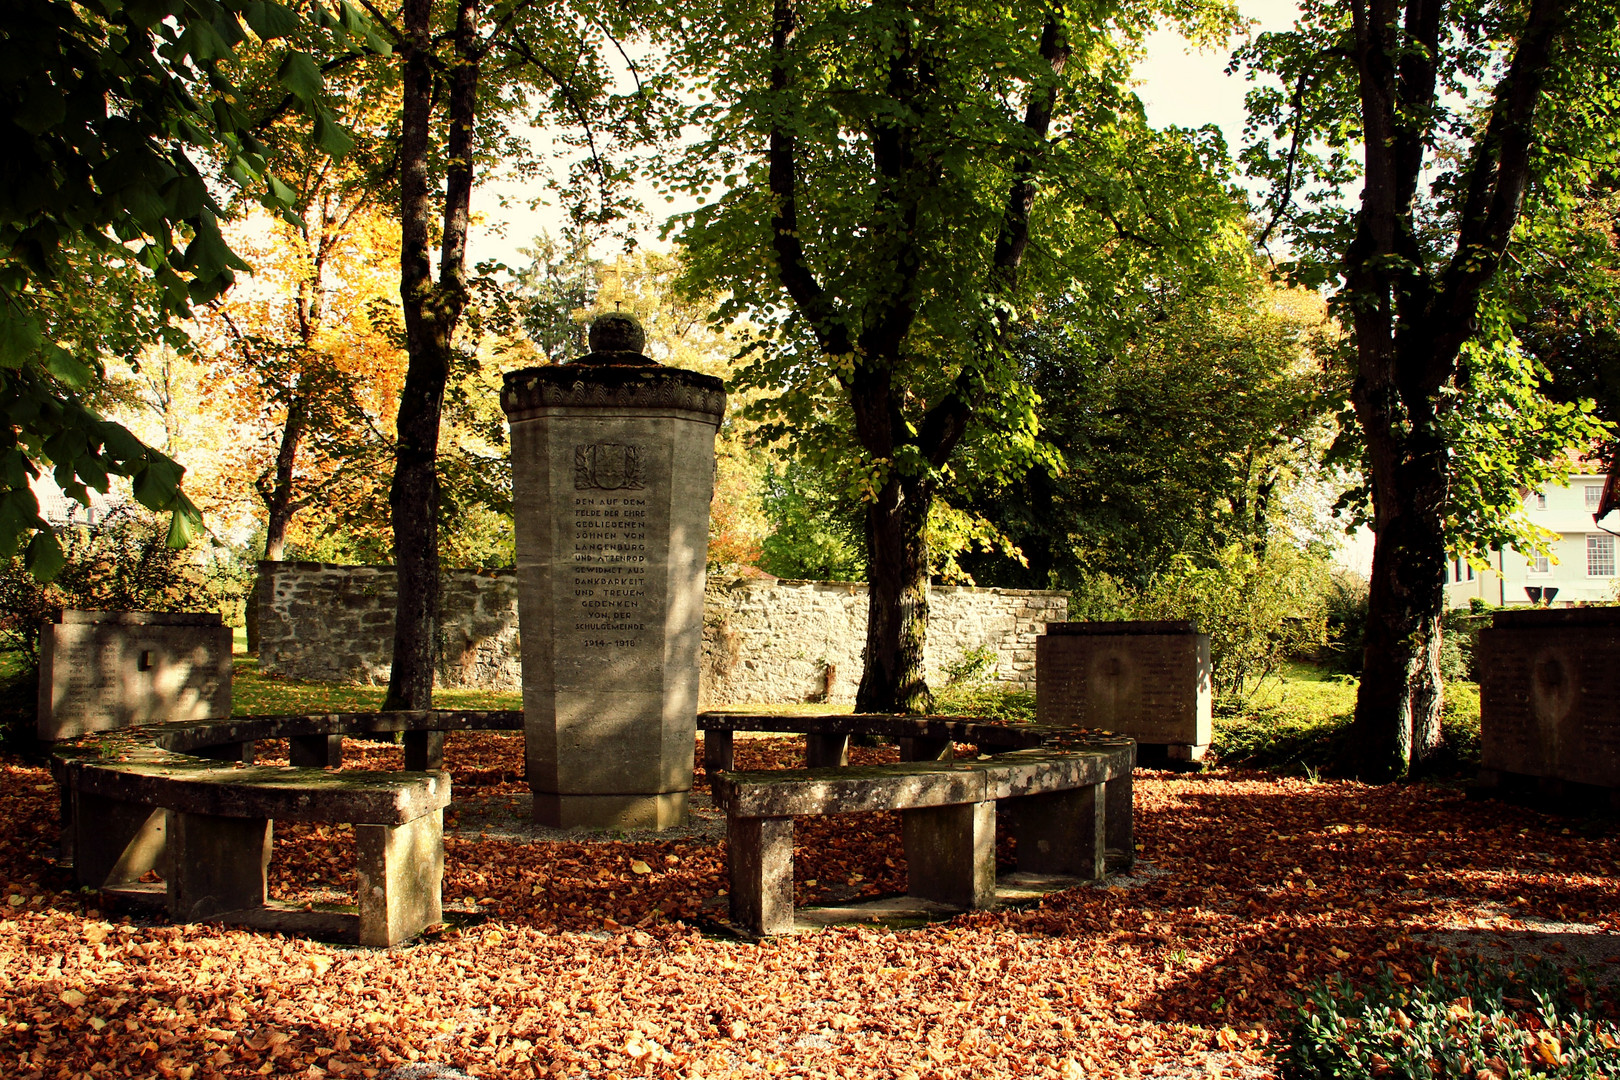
1148 680
1547 695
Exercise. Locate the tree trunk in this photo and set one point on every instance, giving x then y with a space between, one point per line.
1397 720
432 313
893 678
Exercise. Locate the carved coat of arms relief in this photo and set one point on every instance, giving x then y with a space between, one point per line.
608 466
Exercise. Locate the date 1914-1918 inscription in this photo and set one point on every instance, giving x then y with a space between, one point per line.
609 569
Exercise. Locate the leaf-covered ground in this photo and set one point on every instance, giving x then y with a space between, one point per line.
594 959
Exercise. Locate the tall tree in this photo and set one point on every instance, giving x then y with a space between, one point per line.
469 72
1470 120
903 177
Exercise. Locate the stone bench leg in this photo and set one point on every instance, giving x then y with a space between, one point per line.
315 751
923 748
1063 832
826 751
216 864
401 879
717 752
951 854
424 750
1121 826
115 842
760 859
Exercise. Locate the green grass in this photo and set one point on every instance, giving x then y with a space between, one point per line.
1298 719
253 694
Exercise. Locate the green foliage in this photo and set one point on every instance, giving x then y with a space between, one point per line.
1298 721
1188 414
976 665
987 701
1471 1018
104 107
815 531
1259 610
1346 607
900 184
1484 391
124 563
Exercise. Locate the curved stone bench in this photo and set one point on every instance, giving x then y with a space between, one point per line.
1070 795
184 799
158 798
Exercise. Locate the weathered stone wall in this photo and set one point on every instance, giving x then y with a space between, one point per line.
336 623
763 641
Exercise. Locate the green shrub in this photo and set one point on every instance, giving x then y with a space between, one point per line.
1259 611
986 700
1345 601
122 564
1474 1019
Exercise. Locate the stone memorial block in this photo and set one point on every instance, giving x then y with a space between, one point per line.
1548 692
101 670
612 473
1148 680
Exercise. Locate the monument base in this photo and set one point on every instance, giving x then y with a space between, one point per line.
664 811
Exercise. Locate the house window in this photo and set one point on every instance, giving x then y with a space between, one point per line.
1594 495
1540 499
1600 556
1540 564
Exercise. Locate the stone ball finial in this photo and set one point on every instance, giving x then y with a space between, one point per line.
616 338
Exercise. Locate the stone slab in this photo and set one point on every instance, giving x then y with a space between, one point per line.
1063 832
101 671
199 787
216 864
140 618
1549 681
1138 679
951 854
789 792
759 861
115 841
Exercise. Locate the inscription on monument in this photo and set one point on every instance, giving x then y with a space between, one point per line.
609 566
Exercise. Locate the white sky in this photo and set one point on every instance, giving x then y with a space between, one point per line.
1179 87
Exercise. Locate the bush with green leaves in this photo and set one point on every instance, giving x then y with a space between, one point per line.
124 563
1473 1018
1259 609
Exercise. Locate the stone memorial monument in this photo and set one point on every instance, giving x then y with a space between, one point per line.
612 473
1548 689
101 670
1148 680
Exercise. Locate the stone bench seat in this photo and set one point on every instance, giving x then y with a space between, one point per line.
1071 805
146 799
827 735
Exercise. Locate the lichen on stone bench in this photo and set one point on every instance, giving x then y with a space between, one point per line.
1070 796
143 799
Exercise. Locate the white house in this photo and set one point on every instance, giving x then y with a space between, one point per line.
1579 566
